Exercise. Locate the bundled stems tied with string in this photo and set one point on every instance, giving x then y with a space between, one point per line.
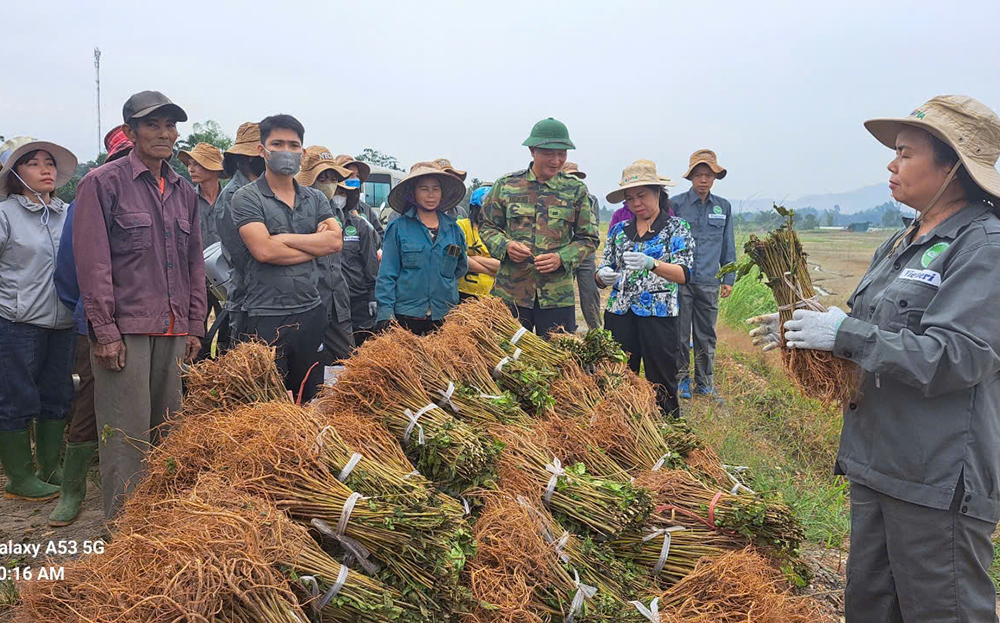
783 265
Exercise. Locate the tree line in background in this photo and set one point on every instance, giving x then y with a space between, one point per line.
886 215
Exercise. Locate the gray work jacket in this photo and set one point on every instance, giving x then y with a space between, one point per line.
711 224
925 329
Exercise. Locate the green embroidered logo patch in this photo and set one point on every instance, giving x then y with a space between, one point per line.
717 209
351 230
932 254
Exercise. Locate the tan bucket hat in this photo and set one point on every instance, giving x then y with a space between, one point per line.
965 124
452 188
12 149
315 160
639 173
364 169
445 164
572 168
205 154
247 139
705 156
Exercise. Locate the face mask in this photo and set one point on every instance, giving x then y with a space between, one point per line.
284 162
340 201
329 189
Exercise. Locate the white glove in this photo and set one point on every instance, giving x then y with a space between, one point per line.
813 330
767 334
607 276
637 261
372 308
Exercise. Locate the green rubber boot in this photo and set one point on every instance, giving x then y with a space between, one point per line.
15 457
48 450
76 465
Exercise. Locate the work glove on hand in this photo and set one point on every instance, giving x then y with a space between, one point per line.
767 332
372 308
607 276
813 330
637 261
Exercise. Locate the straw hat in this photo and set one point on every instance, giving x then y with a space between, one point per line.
315 160
445 164
247 139
639 173
207 155
572 168
116 144
452 188
12 149
963 123
364 170
705 156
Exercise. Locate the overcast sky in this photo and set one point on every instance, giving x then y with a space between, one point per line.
778 89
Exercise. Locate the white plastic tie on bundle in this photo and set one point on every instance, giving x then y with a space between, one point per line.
354 549
415 421
310 582
345 513
465 503
500 365
556 469
560 545
652 613
516 355
339 584
665 550
582 592
344 473
659 464
492 396
517 335
411 474
318 444
446 397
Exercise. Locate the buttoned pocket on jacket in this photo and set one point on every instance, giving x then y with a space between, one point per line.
910 301
183 233
411 256
134 232
448 265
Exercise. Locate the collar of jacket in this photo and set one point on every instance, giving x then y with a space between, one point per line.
139 167
55 203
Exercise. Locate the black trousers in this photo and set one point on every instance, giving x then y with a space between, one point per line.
297 338
654 342
419 326
544 321
338 341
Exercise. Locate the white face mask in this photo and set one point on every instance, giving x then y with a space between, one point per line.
340 201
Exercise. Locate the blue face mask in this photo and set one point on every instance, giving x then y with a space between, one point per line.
352 183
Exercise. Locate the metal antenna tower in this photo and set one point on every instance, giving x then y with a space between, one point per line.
97 71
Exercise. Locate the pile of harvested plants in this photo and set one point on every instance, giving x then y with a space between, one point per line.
782 264
246 374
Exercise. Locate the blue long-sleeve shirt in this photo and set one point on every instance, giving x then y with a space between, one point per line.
67 286
418 276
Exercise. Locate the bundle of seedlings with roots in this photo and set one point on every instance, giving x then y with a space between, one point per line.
737 587
783 265
764 522
194 565
270 450
385 380
596 347
520 577
244 375
670 553
226 514
583 503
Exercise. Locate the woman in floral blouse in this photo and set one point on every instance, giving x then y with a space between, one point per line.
644 259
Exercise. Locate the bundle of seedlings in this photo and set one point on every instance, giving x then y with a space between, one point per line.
520 577
361 432
194 566
572 439
244 375
737 587
764 522
494 315
269 450
220 512
783 266
385 380
670 553
582 503
597 346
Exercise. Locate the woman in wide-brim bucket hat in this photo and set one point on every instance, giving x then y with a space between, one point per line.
36 335
643 260
919 438
424 252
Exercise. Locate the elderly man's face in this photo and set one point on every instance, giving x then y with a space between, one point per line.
153 137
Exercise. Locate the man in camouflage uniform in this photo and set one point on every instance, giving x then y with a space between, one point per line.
539 222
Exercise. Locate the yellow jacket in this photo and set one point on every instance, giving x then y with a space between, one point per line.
478 284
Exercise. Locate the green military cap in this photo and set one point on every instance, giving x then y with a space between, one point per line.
549 134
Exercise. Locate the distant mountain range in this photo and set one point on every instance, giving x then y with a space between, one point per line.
858 200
